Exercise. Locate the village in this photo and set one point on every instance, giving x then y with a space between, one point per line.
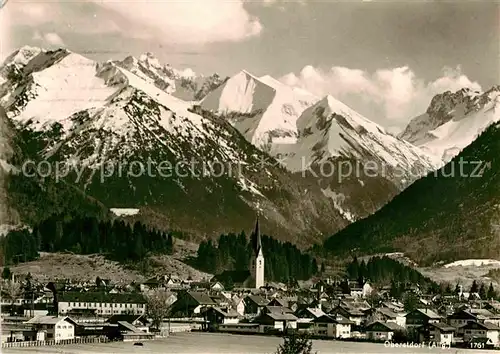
88 312
64 311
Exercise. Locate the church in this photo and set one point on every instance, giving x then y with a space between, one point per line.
257 260
253 277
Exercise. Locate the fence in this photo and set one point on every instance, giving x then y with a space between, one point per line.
39 343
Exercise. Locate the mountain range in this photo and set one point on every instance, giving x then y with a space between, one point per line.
112 126
108 117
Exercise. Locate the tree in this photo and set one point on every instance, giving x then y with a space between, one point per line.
447 290
374 298
394 291
322 268
98 282
12 291
295 343
474 287
353 269
346 289
491 292
410 302
158 307
457 290
170 244
6 273
229 283
482 292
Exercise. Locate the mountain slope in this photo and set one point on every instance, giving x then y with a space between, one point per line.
262 109
129 144
355 161
453 121
444 216
26 200
330 129
184 84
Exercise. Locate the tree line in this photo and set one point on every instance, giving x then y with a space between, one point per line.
382 271
85 235
385 271
283 260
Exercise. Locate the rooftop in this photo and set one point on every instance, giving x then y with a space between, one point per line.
102 297
46 320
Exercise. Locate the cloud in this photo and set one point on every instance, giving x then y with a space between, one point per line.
5 35
188 22
194 21
391 96
51 38
268 3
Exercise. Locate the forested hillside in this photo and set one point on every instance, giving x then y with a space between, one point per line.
448 215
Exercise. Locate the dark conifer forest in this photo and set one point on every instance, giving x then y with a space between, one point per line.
283 261
118 240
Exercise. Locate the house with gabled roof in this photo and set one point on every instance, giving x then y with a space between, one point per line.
52 328
474 330
334 326
461 317
379 330
276 321
191 303
420 317
254 304
438 332
353 314
385 314
217 316
215 286
138 321
238 304
309 312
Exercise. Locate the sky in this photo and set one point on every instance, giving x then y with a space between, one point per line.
386 59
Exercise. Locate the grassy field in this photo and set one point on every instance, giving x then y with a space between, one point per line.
225 343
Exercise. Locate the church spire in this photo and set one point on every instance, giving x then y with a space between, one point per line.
257 243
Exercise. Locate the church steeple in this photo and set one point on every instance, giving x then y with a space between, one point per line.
256 241
257 260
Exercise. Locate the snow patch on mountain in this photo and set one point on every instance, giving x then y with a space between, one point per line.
473 263
249 186
124 211
338 201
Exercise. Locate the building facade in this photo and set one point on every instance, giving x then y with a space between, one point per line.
101 304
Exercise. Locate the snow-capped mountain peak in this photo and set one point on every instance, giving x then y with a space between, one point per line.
453 120
331 129
182 83
149 59
23 55
263 109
